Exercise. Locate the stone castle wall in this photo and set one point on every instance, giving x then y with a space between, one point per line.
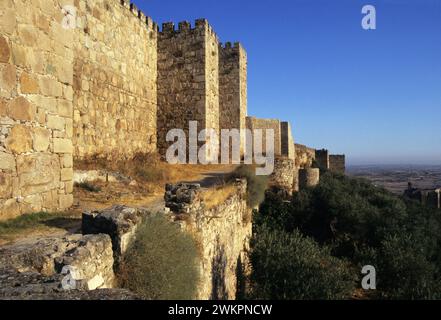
36 127
115 77
287 141
233 88
337 163
264 124
305 156
285 175
322 159
223 231
188 79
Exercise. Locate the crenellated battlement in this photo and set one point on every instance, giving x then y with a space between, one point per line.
169 28
143 18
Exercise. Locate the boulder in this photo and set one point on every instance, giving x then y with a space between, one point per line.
119 222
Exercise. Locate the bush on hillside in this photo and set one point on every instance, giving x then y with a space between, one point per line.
368 226
288 266
257 185
162 263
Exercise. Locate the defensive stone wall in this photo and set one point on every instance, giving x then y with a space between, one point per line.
115 80
337 163
188 79
305 156
233 88
223 231
36 95
284 176
322 159
264 124
287 141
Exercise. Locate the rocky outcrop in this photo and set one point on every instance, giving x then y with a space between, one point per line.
53 264
119 222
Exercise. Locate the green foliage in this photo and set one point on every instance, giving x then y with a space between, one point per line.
257 185
162 263
88 187
288 266
368 226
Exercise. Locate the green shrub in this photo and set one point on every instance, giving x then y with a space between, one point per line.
162 263
288 266
257 185
88 187
367 225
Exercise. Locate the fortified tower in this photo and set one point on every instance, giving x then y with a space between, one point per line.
233 88
188 79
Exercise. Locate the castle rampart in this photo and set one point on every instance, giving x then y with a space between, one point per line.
188 79
36 96
337 163
233 88
115 79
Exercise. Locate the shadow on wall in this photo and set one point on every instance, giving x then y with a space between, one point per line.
241 280
218 271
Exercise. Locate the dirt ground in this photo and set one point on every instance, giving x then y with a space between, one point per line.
146 195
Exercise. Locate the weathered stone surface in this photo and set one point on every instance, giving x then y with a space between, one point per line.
337 163
7 162
66 174
41 137
21 109
38 172
63 146
65 201
182 196
5 51
5 185
3 107
304 156
308 178
7 77
50 87
283 175
74 262
28 84
20 139
119 222
56 122
224 232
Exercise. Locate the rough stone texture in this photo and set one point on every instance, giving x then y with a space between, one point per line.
233 89
309 178
337 163
188 79
73 262
287 141
115 77
223 231
264 124
119 222
80 176
32 56
283 175
305 156
322 159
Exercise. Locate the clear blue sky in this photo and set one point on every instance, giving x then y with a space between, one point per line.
373 95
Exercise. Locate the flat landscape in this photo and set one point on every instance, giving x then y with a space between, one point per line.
396 177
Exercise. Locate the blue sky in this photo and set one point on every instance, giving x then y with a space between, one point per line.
373 95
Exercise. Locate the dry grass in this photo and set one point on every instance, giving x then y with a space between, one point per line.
150 171
215 196
38 224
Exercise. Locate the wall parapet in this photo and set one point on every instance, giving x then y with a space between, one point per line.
223 231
